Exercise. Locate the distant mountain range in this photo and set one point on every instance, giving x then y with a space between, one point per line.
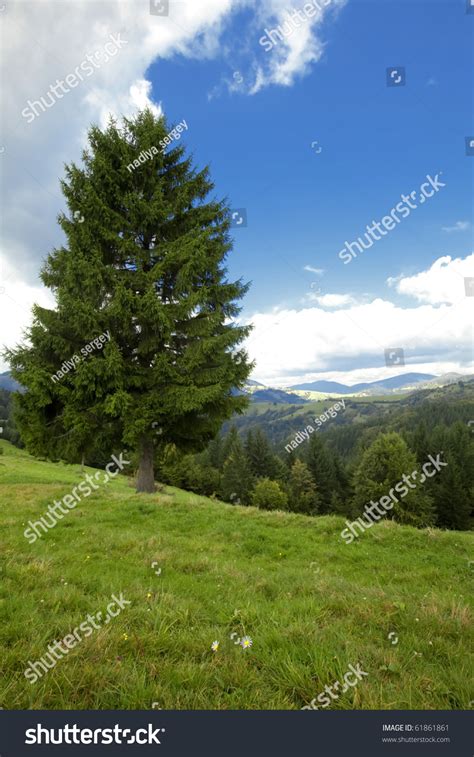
317 390
396 382
444 403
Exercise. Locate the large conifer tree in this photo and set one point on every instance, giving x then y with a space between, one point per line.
144 261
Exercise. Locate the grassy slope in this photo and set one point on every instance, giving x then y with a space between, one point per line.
312 604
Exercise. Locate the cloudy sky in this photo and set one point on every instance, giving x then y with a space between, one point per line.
303 134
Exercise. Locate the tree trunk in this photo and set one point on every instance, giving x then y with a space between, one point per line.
146 475
82 463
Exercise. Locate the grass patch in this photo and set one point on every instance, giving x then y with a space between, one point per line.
312 604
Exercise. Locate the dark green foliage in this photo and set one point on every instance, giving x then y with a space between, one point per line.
215 452
363 418
146 264
420 443
382 467
237 478
7 424
326 471
231 440
260 456
325 483
452 488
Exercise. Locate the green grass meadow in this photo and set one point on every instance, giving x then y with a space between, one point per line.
312 604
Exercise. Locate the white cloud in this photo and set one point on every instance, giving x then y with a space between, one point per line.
442 283
290 344
317 271
334 300
288 43
45 41
458 226
51 39
290 39
16 301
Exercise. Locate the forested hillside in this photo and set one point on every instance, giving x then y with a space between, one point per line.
269 457
352 455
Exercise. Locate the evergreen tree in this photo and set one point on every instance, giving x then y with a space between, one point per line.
326 472
230 441
281 470
144 262
237 479
302 494
208 479
420 443
260 455
216 452
381 468
8 429
453 486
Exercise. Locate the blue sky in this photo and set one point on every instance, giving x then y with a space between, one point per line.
376 142
307 138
